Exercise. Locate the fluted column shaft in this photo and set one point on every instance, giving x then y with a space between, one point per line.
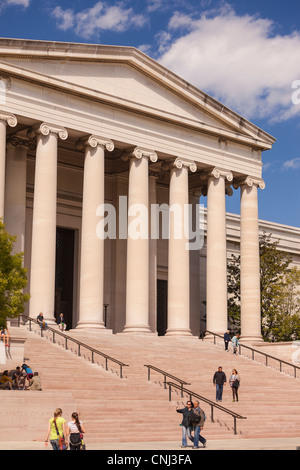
11 120
250 265
137 271
216 277
92 243
15 192
178 251
42 271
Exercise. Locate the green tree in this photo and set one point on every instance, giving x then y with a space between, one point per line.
280 295
13 278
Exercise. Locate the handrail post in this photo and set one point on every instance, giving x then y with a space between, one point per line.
106 366
165 381
121 371
170 392
79 353
234 424
212 414
93 357
148 373
66 343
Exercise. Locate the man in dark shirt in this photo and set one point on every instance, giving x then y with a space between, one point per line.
219 380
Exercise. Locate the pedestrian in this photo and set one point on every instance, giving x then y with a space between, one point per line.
6 381
226 339
235 343
235 383
185 424
61 322
56 430
219 380
199 426
75 431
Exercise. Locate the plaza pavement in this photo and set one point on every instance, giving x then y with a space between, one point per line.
225 444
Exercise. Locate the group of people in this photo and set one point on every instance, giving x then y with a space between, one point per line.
192 422
219 380
44 325
23 378
63 434
234 342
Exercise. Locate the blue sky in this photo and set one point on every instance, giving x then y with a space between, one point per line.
245 53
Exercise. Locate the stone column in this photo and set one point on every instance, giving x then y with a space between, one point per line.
92 242
216 269
152 256
11 120
15 189
42 271
137 274
178 251
250 265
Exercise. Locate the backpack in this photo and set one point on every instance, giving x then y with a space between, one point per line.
75 439
194 419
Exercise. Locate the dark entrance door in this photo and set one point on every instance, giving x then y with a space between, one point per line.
162 306
64 274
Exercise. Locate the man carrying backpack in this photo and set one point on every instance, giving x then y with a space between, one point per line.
198 426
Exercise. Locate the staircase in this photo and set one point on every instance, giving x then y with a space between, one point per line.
135 410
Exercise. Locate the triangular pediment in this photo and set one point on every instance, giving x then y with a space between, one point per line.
125 77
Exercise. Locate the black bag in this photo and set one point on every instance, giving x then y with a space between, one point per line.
75 439
236 383
194 419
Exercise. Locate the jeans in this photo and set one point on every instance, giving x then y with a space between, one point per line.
186 432
198 437
219 392
55 444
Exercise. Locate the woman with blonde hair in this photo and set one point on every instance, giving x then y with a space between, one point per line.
75 430
56 431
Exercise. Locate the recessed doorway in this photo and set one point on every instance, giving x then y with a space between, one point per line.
64 274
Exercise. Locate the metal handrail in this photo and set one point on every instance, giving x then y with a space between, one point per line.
79 344
267 356
166 374
209 402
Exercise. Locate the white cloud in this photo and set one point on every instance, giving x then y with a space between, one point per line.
237 59
101 17
8 3
292 164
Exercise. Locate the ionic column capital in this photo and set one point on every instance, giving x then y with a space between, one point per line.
249 181
46 129
16 141
138 152
217 173
179 163
95 141
8 118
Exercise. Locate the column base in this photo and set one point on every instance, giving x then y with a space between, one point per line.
93 326
138 329
251 339
178 332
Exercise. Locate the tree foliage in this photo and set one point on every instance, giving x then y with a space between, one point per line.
13 278
280 293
